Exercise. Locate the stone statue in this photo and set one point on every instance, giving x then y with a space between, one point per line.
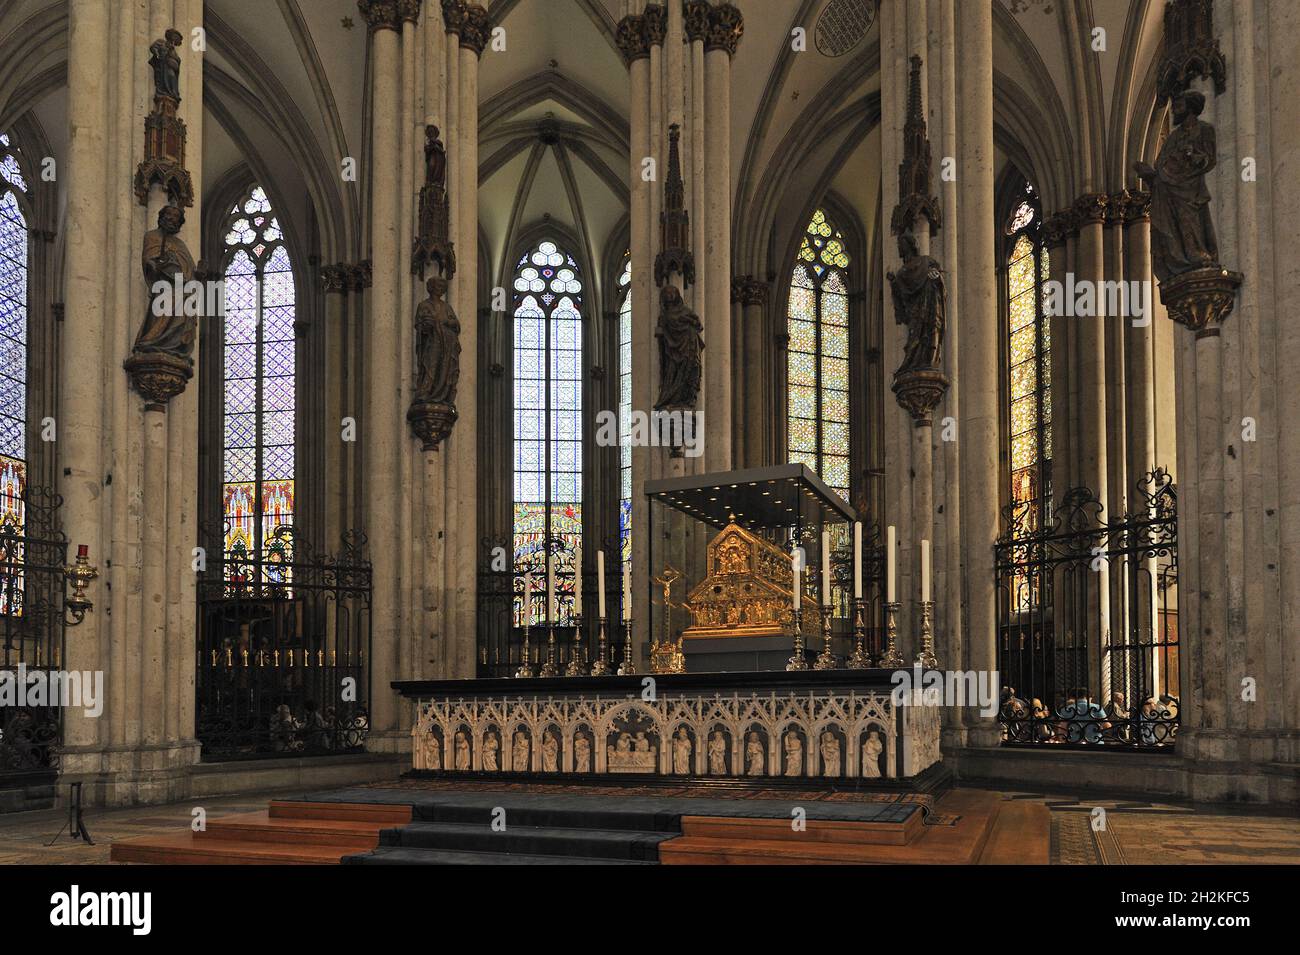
872 747
919 297
581 754
717 754
793 754
166 65
164 258
462 750
491 748
753 755
550 753
680 345
1182 231
682 752
830 754
435 159
417 746
437 346
432 751
521 752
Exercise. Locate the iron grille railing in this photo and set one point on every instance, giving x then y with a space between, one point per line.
1088 611
33 552
283 650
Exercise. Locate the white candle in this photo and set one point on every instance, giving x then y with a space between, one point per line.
796 562
552 612
627 592
577 581
857 560
600 582
528 599
891 543
925 571
826 568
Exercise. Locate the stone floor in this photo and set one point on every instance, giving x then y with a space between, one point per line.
1133 832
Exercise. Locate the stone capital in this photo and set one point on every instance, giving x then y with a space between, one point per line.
334 278
453 15
726 27
1133 205
695 20
631 37
656 24
409 10
381 14
1091 208
475 29
1056 229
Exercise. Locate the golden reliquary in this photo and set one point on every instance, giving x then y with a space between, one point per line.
747 590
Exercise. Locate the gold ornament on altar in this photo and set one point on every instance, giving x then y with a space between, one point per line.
666 655
747 590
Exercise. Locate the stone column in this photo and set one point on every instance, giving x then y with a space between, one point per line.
978 429
753 301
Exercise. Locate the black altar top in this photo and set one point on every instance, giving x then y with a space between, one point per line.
783 495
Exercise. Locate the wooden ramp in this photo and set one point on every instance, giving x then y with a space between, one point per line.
286 833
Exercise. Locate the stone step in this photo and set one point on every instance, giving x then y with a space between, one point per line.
399 855
582 842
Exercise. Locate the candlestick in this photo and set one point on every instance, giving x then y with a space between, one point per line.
525 662
575 667
857 560
600 582
549 668
925 571
577 581
601 666
891 545
860 659
826 659
892 659
927 659
627 666
797 660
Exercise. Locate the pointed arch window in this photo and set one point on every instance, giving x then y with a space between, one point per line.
259 385
1029 346
547 411
818 355
13 367
625 412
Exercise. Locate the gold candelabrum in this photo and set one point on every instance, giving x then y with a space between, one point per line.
81 572
549 668
826 659
860 659
525 670
666 656
927 659
601 666
575 667
628 665
797 660
892 659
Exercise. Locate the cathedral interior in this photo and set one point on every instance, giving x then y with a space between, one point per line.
410 404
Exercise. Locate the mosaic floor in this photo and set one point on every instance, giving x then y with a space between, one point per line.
1134 832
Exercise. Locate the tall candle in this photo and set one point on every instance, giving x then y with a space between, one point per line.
528 599
891 544
857 560
627 592
600 582
826 568
577 580
925 571
796 565
552 612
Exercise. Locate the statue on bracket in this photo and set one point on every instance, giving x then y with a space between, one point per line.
919 303
1182 230
166 63
680 346
437 346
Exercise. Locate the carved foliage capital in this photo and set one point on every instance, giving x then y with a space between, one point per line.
453 15
695 20
726 27
1091 208
475 29
409 10
656 24
1202 299
631 37
919 393
381 14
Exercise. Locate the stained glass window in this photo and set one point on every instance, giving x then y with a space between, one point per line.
625 413
13 374
258 460
818 355
548 418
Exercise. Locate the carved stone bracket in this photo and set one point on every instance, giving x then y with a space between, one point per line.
914 197
158 377
919 393
726 27
1191 50
1201 299
431 422
164 132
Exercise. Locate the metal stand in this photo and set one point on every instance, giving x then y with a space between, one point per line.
549 668
575 667
826 659
797 661
76 824
525 670
892 660
859 659
601 666
927 659
627 666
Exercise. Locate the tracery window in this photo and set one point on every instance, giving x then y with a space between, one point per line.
13 363
625 412
1029 346
818 355
548 416
259 381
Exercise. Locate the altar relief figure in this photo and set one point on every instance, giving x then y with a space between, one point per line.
521 752
629 755
793 754
1182 230
753 756
581 754
871 750
462 750
550 753
918 294
682 752
717 754
432 752
830 754
491 749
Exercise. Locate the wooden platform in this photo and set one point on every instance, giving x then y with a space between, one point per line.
285 833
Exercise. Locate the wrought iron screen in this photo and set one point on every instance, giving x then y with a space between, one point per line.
1088 612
